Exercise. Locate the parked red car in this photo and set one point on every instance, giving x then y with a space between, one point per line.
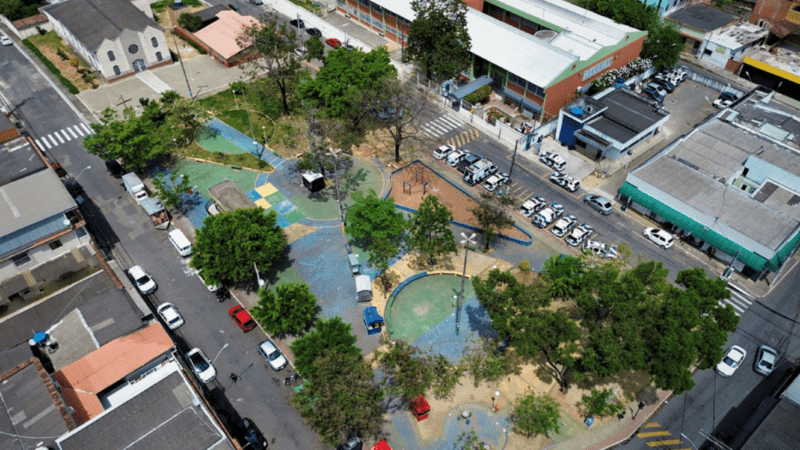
242 318
333 42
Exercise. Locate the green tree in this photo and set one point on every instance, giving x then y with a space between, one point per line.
535 414
344 84
315 47
343 398
329 337
378 225
396 108
663 45
492 216
601 403
438 40
274 41
136 139
468 440
230 243
191 22
19 9
171 189
429 229
183 117
289 308
407 369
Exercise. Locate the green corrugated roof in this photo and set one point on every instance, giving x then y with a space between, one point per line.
717 240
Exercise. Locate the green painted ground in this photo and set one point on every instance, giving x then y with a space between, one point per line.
322 206
206 175
213 142
423 304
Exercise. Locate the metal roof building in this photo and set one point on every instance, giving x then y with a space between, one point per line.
732 182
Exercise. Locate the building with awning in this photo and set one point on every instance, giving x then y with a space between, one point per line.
469 88
538 53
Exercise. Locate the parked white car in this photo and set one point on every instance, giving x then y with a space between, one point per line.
443 150
553 161
210 287
579 234
564 224
532 206
170 315
601 249
659 237
731 361
495 181
568 182
546 216
273 356
5 40
201 365
143 281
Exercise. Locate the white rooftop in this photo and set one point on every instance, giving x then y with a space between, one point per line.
738 35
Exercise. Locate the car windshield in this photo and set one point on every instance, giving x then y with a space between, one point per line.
765 364
730 362
175 319
199 362
142 280
274 355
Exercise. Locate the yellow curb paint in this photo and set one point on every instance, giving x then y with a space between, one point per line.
653 434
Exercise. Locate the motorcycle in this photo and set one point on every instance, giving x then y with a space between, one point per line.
222 294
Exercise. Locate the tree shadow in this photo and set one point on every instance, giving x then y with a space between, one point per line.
479 321
96 222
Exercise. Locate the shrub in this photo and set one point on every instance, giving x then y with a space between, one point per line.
480 95
525 266
71 87
601 403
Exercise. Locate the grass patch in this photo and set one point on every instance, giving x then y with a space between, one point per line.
307 4
66 82
65 61
162 5
263 128
194 150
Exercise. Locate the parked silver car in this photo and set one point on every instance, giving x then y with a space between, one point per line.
599 203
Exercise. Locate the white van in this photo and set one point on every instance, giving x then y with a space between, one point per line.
180 242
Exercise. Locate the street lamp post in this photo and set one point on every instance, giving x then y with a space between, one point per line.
467 241
690 441
218 353
333 153
261 282
79 175
235 99
264 130
252 133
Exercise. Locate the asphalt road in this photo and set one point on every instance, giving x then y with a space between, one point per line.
120 226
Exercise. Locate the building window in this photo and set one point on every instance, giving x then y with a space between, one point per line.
116 70
597 68
21 260
111 56
154 41
158 56
133 49
55 244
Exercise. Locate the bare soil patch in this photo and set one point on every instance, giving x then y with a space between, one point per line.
71 67
424 182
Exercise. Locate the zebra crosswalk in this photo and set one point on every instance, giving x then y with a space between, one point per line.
739 300
440 126
62 136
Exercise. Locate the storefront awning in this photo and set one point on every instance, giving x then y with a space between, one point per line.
470 87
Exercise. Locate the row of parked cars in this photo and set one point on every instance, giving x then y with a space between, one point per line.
664 83
475 168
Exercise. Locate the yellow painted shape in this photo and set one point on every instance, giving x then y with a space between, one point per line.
773 70
650 434
651 425
667 442
263 203
267 189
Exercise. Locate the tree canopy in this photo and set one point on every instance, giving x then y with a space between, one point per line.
332 336
171 189
275 42
378 225
492 216
346 79
438 40
535 414
191 22
429 229
664 43
135 139
229 243
289 308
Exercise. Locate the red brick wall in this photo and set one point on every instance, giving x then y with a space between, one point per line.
390 22
562 93
474 4
771 11
733 66
513 87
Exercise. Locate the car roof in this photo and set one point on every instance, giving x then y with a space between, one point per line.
267 346
240 314
137 271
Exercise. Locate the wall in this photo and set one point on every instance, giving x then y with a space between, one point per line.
25 28
715 54
772 11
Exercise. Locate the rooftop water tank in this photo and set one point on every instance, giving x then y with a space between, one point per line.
576 111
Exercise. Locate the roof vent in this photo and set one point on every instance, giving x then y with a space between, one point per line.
546 35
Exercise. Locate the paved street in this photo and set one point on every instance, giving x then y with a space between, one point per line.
121 226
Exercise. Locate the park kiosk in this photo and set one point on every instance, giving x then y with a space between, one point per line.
382 445
420 407
372 320
363 288
313 181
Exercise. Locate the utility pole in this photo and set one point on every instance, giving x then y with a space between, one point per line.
180 58
466 242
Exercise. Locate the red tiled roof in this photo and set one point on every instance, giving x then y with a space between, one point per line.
28 21
221 35
82 380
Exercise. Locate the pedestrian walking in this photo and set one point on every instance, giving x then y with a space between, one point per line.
235 377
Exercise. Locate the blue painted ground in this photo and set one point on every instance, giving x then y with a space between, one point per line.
243 141
491 429
192 205
442 338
